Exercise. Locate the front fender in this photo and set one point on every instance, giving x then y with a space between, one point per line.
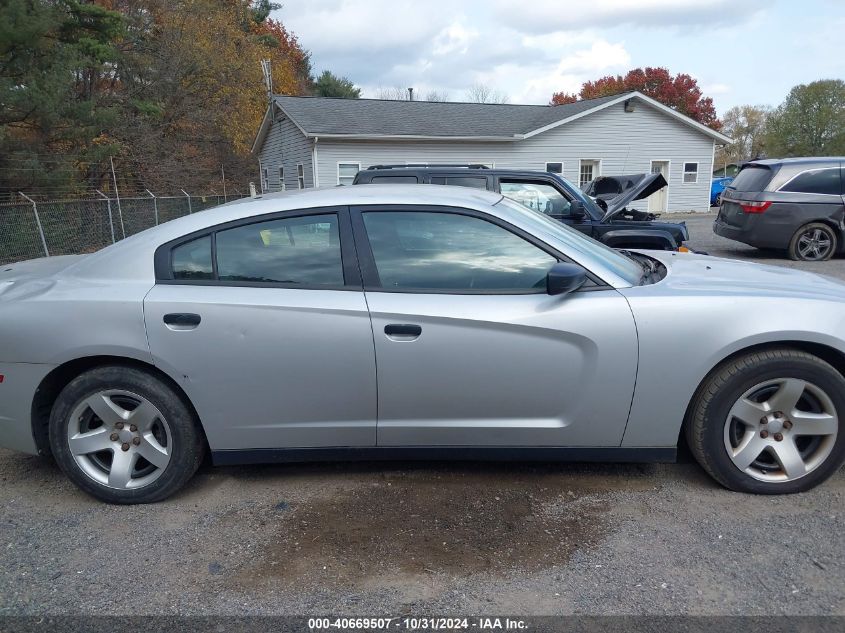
683 338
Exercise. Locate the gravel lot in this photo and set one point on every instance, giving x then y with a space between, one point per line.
433 538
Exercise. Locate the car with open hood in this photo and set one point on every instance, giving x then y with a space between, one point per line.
413 322
614 193
608 221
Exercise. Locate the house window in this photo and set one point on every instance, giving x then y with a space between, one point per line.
554 168
281 177
588 170
691 172
300 175
265 182
346 172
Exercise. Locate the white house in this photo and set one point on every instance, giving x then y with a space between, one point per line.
314 141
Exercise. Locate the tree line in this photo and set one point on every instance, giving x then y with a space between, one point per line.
809 122
169 91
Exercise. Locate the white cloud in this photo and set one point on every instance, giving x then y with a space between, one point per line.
331 26
530 50
455 38
547 16
573 69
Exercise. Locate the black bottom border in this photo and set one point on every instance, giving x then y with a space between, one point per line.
398 623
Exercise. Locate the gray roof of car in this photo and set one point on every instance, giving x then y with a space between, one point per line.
802 160
378 117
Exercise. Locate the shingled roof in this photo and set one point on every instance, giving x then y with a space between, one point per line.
377 117
380 118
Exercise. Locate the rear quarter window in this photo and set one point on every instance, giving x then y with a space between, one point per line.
477 182
752 178
824 181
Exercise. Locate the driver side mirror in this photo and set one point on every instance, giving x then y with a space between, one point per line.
564 278
576 210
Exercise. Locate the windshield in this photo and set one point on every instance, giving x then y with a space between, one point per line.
624 267
590 205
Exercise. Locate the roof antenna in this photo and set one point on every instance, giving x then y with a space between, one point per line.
268 78
410 94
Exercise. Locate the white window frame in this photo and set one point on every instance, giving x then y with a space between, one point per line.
300 175
685 172
562 167
265 180
596 168
347 164
281 177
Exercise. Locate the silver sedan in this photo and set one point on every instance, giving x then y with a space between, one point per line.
409 322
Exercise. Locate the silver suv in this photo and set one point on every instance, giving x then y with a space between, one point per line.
795 204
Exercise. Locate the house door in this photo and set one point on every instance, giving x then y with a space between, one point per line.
659 201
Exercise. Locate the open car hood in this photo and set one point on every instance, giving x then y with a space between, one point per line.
647 185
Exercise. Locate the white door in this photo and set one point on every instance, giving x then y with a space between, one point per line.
659 201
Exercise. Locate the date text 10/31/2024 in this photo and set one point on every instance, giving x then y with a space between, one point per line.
418 624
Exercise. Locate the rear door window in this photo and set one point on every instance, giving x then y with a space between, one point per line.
300 250
825 181
752 178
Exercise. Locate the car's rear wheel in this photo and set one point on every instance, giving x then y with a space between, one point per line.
124 436
769 422
814 242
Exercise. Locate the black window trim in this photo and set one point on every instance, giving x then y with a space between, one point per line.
163 258
369 272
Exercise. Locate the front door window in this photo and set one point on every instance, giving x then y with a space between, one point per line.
538 196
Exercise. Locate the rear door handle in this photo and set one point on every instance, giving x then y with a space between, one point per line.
402 331
182 320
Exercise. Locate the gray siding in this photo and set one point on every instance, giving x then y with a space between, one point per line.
624 142
286 146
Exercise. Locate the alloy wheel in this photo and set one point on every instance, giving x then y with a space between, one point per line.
119 439
814 244
781 430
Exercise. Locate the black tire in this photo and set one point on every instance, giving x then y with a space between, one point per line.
187 444
810 230
707 418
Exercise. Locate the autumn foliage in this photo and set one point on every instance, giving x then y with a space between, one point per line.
171 90
680 92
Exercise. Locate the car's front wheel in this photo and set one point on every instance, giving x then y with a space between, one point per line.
124 436
769 422
814 242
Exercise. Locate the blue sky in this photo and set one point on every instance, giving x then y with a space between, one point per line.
740 51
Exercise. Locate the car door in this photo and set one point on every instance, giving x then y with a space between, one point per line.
266 323
470 349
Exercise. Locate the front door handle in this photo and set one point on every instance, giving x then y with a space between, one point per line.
182 320
402 331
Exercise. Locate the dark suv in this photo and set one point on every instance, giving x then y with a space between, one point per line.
550 194
791 203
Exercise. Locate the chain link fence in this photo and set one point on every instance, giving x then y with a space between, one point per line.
33 229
